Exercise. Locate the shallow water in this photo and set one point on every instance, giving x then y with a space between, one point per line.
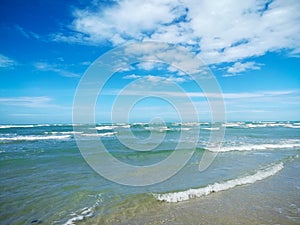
44 178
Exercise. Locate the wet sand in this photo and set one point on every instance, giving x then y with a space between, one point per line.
275 200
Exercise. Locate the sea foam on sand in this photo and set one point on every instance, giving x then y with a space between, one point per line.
216 187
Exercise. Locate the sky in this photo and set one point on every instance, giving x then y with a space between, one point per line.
251 47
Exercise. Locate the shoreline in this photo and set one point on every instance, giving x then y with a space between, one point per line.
270 201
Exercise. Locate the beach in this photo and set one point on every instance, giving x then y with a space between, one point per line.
271 201
254 178
128 112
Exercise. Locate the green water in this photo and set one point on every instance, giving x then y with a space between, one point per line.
45 179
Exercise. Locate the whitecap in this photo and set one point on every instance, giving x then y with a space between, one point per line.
216 187
80 215
63 132
254 147
107 134
15 126
34 137
108 127
210 128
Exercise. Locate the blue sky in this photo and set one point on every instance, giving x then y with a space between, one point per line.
252 47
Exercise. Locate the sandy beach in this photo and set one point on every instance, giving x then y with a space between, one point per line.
272 201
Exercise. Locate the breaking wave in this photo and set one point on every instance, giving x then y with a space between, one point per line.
216 187
107 134
253 147
34 137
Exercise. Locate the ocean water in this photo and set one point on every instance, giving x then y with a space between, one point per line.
45 179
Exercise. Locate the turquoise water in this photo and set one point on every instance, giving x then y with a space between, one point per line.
44 178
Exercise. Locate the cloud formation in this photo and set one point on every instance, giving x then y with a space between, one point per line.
158 79
26 33
239 67
218 31
6 62
25 101
42 66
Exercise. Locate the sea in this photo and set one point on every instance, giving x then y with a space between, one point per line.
254 178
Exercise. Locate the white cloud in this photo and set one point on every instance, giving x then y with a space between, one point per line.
127 19
6 62
151 79
42 66
131 76
154 79
176 79
239 67
241 29
26 33
147 65
159 55
221 31
86 63
42 101
72 38
257 96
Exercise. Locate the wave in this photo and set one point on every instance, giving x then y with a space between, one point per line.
158 129
111 127
295 126
270 124
189 124
53 136
107 134
124 126
210 128
25 126
15 126
34 138
253 147
164 129
216 187
81 215
184 128
84 213
233 125
38 125
63 132
260 125
105 127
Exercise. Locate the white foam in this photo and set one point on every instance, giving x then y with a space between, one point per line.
210 128
163 129
238 124
107 134
106 127
34 137
216 187
74 219
63 132
15 126
253 147
184 128
192 124
140 124
81 215
270 124
43 125
159 129
250 125
124 126
292 126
